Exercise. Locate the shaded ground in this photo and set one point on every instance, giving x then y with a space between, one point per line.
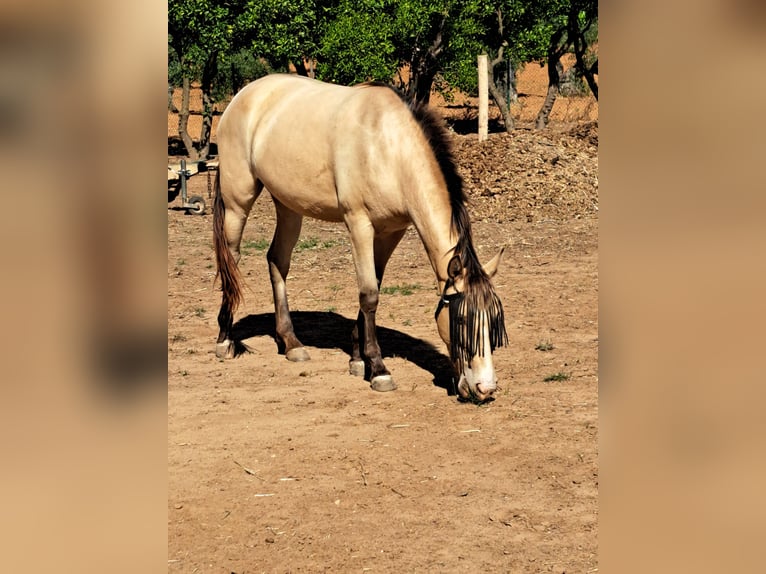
282 467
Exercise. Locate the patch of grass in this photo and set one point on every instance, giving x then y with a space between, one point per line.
181 262
400 289
334 289
407 323
314 243
308 243
178 337
248 246
332 309
556 377
199 312
544 346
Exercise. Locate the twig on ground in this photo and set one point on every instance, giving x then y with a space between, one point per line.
248 470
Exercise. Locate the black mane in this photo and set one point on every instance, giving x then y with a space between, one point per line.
479 295
435 131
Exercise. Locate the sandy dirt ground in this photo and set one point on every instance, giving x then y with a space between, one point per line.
299 467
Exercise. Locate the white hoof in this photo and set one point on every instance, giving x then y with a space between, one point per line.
356 368
383 383
225 350
297 355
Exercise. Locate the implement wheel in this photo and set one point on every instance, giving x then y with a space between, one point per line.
196 205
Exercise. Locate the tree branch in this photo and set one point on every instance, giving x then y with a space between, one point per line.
499 57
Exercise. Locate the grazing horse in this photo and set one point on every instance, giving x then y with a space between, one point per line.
363 157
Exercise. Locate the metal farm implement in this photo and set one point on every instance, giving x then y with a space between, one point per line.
178 174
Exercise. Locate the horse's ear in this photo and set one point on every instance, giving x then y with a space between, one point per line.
490 268
454 267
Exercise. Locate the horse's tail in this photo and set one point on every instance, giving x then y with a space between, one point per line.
227 268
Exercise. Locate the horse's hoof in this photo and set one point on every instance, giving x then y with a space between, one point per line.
383 383
225 350
297 355
356 368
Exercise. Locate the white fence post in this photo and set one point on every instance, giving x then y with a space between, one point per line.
483 98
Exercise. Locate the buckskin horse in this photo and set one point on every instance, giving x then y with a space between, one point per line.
364 157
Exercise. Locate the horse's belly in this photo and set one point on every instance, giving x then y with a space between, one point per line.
313 199
301 182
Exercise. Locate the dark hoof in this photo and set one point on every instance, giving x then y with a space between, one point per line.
356 368
297 355
383 383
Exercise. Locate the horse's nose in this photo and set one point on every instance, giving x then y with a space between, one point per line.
486 389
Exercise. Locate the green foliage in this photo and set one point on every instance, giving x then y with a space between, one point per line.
285 30
175 69
591 35
198 30
236 71
358 40
358 44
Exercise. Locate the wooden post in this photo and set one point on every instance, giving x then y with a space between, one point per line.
483 98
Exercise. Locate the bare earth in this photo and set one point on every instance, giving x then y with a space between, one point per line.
282 467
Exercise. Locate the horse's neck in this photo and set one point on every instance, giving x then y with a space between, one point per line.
434 225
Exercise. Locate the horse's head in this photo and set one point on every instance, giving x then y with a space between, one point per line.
470 320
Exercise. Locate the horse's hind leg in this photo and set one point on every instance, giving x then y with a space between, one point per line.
285 237
233 200
383 247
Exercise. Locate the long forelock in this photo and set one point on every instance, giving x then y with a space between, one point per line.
468 321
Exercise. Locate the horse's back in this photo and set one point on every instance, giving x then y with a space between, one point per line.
321 149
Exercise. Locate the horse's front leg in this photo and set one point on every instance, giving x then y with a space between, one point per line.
356 363
365 336
383 247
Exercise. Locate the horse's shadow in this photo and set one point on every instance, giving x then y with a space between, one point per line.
327 330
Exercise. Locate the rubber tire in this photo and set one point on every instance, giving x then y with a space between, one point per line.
197 205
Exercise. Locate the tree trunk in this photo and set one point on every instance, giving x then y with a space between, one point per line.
300 67
555 69
208 73
424 66
577 37
497 95
183 120
499 98
422 73
588 73
422 88
171 107
514 95
207 126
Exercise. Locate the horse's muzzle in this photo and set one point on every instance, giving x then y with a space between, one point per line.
480 394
